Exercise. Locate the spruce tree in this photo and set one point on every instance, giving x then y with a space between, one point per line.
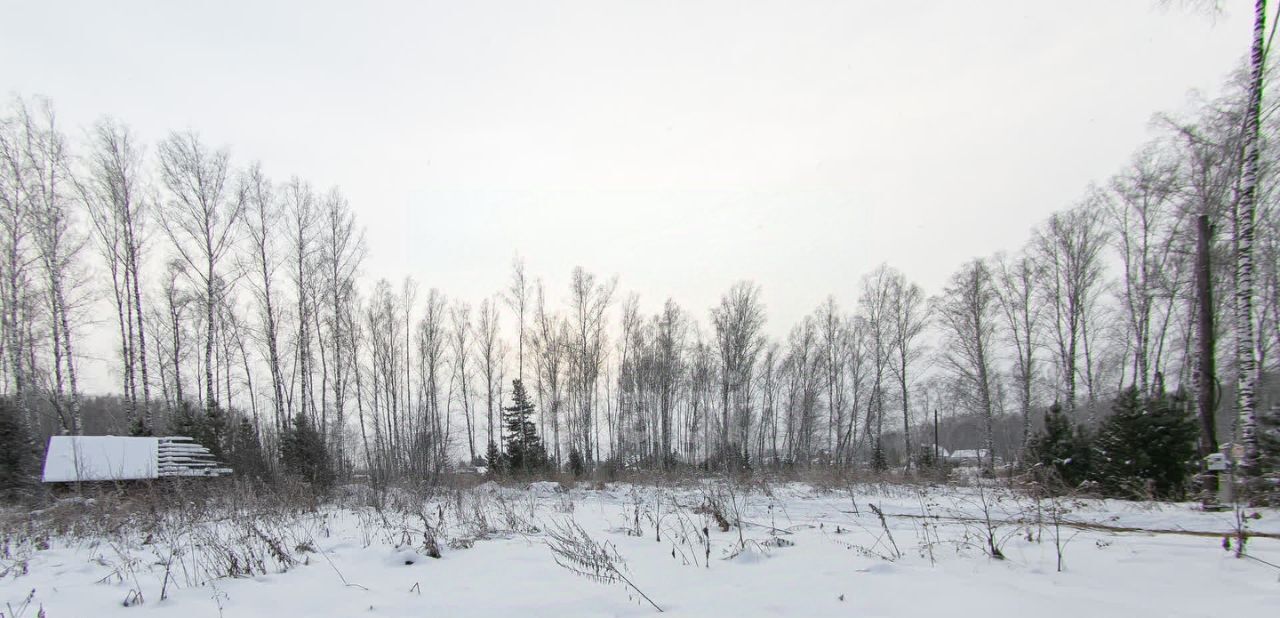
879 462
215 431
524 449
245 455
19 461
1145 446
303 453
139 428
207 427
184 422
577 464
1264 489
1061 451
494 460
1269 440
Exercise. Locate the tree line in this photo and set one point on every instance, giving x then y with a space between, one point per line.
242 313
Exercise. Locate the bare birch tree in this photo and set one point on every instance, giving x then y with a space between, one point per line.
1244 221
200 218
875 311
739 321
967 312
1068 251
1015 283
549 343
671 328
589 302
517 299
298 202
909 315
431 340
261 208
341 253
490 353
460 341
834 344
112 188
1141 208
58 241
18 265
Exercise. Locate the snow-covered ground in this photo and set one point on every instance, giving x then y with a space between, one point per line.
800 551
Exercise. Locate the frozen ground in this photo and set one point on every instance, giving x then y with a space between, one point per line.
799 551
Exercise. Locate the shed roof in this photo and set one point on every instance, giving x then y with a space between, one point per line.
121 458
100 458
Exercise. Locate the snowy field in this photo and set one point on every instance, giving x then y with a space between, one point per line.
798 551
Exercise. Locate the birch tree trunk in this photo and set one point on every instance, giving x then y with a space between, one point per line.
1243 220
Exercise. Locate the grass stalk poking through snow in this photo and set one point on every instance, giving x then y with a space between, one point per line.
576 551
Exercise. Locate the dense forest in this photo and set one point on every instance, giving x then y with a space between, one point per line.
242 314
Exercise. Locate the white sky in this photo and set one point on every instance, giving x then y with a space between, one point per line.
679 145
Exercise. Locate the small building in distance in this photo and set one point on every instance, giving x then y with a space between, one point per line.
71 459
966 457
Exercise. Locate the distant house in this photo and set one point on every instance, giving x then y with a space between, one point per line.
967 456
933 448
72 459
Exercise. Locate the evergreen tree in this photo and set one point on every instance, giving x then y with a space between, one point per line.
182 422
927 460
879 462
1146 445
1264 489
577 465
1269 440
524 451
208 427
924 457
1061 451
138 427
246 457
215 431
18 455
303 453
494 460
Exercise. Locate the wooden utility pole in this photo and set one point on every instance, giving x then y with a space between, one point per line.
936 460
1206 389
1206 379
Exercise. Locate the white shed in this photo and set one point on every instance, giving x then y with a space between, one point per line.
967 456
119 458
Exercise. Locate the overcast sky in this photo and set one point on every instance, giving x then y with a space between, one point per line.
679 145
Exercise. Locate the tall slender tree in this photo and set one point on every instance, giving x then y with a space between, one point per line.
1068 251
909 317
967 312
201 218
874 311
589 302
261 207
341 253
460 338
58 243
1243 227
113 191
491 353
739 321
1015 288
